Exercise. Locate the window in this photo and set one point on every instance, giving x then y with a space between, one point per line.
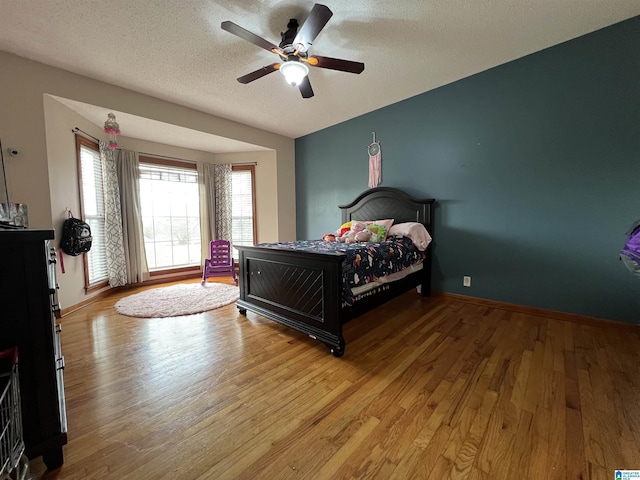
92 206
169 200
243 217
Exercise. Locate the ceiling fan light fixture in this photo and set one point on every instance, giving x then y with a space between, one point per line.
294 72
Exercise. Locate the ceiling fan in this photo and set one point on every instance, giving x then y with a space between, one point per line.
294 51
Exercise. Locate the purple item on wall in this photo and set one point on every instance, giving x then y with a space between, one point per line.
630 253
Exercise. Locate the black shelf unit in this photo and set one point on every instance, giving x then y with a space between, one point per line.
27 319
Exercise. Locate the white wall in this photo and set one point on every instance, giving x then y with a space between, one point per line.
44 174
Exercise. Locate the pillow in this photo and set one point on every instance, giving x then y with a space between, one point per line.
415 231
386 223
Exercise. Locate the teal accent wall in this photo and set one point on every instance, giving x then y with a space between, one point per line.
535 166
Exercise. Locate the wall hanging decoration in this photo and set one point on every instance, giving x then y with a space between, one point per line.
112 128
375 163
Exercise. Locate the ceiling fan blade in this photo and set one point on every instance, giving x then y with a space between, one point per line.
317 19
305 88
248 36
336 64
261 72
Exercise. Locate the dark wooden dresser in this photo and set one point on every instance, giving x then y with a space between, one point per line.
27 319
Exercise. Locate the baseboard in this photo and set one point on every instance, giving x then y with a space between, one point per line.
74 308
166 279
541 312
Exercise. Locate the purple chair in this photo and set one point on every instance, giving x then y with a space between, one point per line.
220 261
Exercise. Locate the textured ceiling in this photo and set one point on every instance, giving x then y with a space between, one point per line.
176 50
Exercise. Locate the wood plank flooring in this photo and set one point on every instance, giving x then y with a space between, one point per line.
429 388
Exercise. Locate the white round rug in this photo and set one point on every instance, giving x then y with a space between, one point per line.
181 299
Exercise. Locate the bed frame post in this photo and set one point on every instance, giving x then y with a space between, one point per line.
425 290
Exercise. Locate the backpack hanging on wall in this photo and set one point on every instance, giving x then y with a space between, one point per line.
630 253
76 236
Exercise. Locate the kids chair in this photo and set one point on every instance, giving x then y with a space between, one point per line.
220 261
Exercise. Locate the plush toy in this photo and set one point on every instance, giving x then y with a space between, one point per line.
363 235
357 233
329 237
344 228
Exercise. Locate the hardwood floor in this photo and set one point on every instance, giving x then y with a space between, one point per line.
428 388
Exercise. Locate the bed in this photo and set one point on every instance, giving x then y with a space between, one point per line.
303 290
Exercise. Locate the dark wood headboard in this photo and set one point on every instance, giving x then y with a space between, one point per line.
385 202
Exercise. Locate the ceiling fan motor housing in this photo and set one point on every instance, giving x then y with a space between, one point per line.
289 36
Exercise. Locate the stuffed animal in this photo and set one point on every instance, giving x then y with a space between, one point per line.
363 235
329 237
357 233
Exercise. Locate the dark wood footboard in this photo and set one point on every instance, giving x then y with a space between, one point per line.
299 289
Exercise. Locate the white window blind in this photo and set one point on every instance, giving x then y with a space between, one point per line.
242 209
93 211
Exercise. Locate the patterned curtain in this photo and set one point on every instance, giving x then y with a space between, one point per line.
217 183
114 247
223 201
128 167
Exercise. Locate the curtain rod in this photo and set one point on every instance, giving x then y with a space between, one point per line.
166 156
185 160
76 130
245 163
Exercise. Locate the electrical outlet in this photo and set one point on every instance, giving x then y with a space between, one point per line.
466 281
